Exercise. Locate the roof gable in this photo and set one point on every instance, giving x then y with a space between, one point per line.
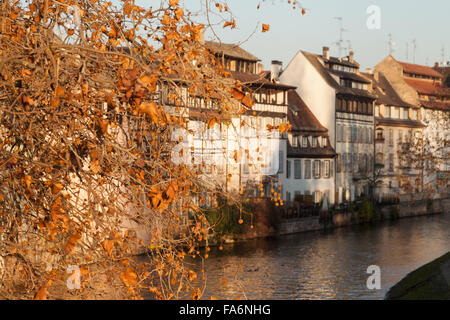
231 50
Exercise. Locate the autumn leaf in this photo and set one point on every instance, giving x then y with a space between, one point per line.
224 281
108 245
248 101
173 3
265 27
211 123
74 238
42 293
129 277
28 179
231 24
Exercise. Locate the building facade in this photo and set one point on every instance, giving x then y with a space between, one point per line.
339 97
423 87
310 156
396 123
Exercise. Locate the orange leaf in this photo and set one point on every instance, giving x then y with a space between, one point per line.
230 23
108 245
70 246
173 3
248 101
43 292
224 281
265 27
28 179
129 277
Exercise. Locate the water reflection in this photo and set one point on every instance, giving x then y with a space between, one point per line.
326 265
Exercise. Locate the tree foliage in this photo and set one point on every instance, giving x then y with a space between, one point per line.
85 172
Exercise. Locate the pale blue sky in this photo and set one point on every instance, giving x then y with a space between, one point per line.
426 21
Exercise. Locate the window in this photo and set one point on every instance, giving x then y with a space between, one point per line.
288 169
307 169
314 142
280 162
414 114
387 112
288 196
339 163
304 142
317 197
391 162
316 169
324 142
326 173
391 138
297 169
295 141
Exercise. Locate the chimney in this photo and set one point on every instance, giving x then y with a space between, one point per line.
275 70
201 35
351 55
326 53
436 64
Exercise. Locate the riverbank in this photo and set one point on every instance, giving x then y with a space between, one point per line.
340 219
429 282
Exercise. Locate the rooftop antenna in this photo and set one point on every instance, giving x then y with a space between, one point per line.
391 44
443 55
414 50
349 43
340 42
407 51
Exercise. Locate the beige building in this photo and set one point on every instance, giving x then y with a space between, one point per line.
422 87
396 121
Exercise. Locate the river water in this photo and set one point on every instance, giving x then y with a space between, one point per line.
326 265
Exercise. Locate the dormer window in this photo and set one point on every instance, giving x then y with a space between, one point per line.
324 142
304 142
314 142
295 141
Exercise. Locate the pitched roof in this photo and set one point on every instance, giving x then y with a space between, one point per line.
419 69
230 50
327 76
385 93
399 122
300 117
349 75
335 60
435 105
427 87
257 79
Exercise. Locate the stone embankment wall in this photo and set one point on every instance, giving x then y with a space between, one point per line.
389 212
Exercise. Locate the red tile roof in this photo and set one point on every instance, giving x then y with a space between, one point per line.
418 69
435 105
428 87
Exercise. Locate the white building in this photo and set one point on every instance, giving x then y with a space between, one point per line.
310 156
338 97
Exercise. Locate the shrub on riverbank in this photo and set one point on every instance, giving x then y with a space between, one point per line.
248 219
366 211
